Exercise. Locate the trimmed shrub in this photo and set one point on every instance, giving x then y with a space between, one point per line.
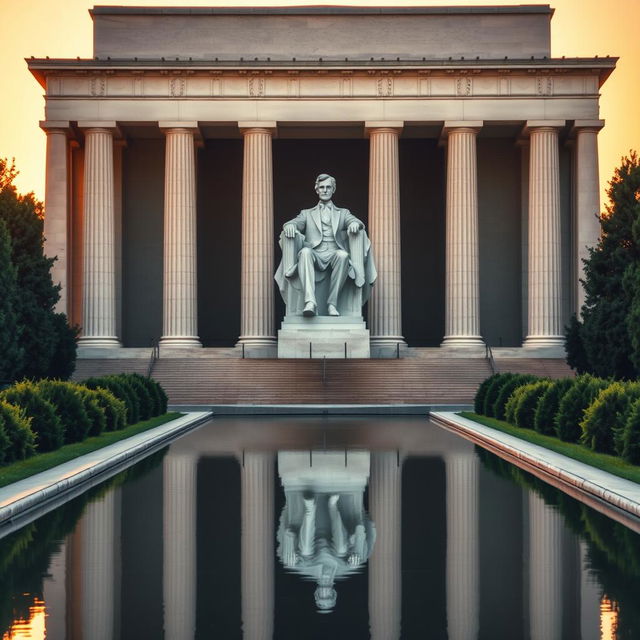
156 392
44 421
547 407
631 435
529 396
119 390
478 401
145 401
605 418
115 410
64 396
573 404
94 410
506 389
5 442
17 426
492 392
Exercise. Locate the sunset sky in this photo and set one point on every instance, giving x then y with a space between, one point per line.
63 30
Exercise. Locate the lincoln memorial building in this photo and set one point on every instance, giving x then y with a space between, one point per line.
176 153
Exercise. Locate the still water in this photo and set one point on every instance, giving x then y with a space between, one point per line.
296 528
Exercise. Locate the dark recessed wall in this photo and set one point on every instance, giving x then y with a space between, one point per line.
219 241
142 246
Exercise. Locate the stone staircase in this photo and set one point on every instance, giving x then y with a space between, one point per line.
209 381
543 367
201 381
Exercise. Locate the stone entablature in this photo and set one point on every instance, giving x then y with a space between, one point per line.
343 83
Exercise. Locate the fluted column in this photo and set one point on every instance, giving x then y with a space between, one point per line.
587 197
99 525
257 330
545 567
180 290
462 288
99 264
463 562
179 561
56 212
257 545
385 306
385 563
544 304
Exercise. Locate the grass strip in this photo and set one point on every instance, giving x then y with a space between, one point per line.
613 464
44 461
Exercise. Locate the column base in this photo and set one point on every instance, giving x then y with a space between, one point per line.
388 347
463 342
536 342
258 346
180 342
101 342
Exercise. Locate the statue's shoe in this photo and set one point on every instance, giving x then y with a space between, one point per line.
309 310
332 311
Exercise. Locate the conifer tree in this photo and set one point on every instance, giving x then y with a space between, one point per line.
11 353
601 343
42 337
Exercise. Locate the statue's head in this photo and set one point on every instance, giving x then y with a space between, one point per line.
326 598
325 186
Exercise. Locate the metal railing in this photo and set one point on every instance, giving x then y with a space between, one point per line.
488 354
155 355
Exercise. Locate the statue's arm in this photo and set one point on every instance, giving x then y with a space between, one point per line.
350 219
300 222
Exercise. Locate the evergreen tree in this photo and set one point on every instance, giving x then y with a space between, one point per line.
11 353
42 337
602 343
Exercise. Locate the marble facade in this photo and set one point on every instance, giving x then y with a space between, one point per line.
466 77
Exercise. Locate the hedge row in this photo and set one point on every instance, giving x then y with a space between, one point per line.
41 416
604 415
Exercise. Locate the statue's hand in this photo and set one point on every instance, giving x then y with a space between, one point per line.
290 230
354 560
354 227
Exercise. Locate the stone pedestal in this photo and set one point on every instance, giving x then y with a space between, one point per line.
323 337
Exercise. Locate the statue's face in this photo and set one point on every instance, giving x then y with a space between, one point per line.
325 189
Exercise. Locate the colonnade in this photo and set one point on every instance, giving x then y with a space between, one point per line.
462 307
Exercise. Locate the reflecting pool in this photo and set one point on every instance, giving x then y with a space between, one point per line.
296 528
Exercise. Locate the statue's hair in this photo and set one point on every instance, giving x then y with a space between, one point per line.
325 176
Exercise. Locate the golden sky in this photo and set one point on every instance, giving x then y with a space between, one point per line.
62 29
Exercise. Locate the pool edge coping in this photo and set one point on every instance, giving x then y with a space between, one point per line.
592 486
43 491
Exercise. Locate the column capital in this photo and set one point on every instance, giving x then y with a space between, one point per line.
101 125
186 125
246 126
56 126
531 125
586 125
461 125
394 126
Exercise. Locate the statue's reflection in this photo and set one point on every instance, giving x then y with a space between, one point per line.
324 534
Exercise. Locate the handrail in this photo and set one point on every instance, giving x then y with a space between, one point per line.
488 354
155 355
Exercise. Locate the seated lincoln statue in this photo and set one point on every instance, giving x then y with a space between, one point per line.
327 265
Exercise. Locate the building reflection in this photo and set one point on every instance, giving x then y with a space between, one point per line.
449 545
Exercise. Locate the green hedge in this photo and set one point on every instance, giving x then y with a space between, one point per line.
42 416
603 415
